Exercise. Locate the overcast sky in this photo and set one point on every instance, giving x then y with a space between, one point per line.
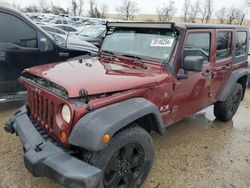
145 6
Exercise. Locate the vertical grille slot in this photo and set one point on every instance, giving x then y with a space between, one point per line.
42 109
49 113
46 111
35 105
40 105
52 115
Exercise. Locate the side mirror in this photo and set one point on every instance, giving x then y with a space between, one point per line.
43 45
182 75
193 63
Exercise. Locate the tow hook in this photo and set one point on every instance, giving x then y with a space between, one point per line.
38 148
9 127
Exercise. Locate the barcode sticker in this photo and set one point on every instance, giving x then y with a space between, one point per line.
166 42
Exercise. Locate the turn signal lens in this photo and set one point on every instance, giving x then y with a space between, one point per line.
106 138
63 137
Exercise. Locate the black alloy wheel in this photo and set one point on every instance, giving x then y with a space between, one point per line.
124 167
126 160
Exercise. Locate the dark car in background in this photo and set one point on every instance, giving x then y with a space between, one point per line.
93 34
24 44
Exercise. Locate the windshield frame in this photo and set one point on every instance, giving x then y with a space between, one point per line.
142 57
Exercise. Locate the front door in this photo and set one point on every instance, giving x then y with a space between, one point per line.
19 49
192 94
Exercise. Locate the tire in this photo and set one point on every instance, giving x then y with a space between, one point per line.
126 161
224 111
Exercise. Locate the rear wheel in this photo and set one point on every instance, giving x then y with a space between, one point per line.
127 160
225 110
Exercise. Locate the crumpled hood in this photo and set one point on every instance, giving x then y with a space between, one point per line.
95 77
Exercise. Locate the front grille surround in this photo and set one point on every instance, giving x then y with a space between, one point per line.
45 110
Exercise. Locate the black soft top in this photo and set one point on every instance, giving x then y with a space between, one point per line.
213 26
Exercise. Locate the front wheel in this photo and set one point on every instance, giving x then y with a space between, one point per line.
225 110
127 160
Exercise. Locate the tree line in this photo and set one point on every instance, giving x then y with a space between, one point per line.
201 11
197 11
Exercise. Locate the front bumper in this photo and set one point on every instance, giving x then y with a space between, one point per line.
45 159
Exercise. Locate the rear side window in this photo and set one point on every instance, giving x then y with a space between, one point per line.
224 44
241 43
198 44
60 31
65 22
15 31
59 26
72 29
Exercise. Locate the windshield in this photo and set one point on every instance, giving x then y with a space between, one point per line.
150 44
92 31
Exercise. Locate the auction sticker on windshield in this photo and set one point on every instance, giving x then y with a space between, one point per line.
163 42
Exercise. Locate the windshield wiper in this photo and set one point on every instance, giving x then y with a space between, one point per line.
107 52
137 58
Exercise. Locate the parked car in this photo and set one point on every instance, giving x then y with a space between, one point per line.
65 39
24 44
147 77
62 21
93 34
53 29
74 43
67 28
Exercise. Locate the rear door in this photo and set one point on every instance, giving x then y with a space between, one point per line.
222 63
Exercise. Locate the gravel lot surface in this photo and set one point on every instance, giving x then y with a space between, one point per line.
196 152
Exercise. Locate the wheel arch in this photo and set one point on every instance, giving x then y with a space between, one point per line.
243 81
90 129
238 76
147 122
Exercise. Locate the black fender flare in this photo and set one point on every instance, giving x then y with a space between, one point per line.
234 77
89 130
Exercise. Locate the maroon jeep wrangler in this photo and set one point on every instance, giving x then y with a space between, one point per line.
88 122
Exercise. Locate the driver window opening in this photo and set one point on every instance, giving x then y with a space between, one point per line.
198 44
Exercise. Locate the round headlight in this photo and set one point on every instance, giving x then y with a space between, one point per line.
66 115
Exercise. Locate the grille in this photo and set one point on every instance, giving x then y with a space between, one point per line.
42 110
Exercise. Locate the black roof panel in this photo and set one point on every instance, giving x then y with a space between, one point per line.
213 26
